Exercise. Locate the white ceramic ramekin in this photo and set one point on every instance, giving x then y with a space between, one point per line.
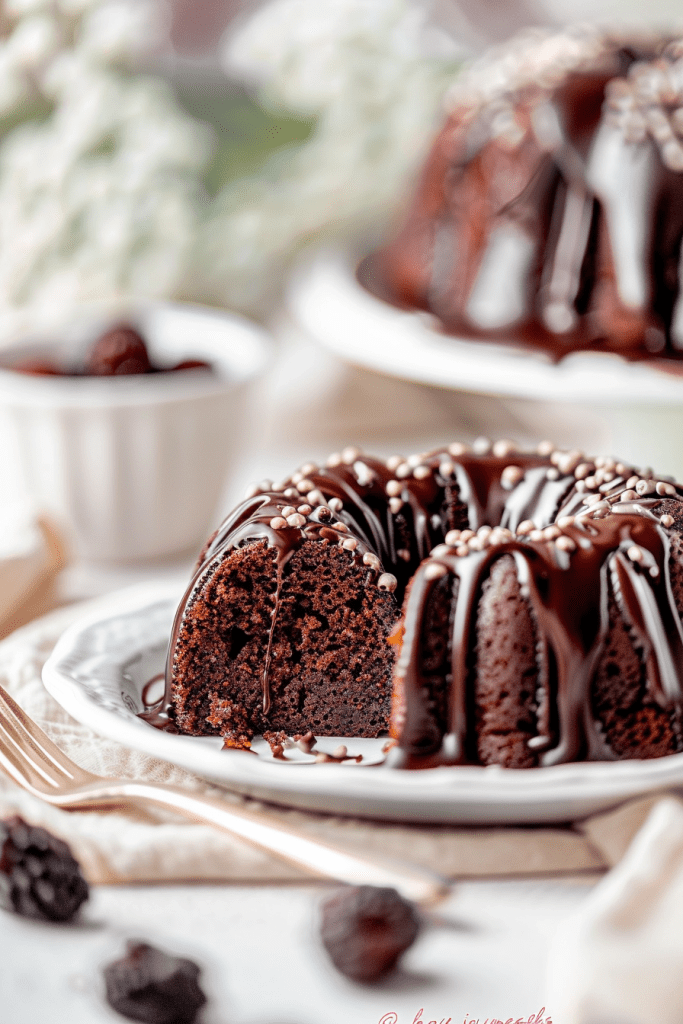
133 466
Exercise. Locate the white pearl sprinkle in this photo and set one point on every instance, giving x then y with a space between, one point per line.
628 496
296 520
349 455
393 488
394 462
553 474
446 468
645 487
536 535
503 448
364 474
551 532
546 448
350 543
333 460
583 470
511 476
291 492
308 468
387 582
278 523
564 521
569 462
565 543
336 504
395 505
305 510
316 497
478 543
457 449
403 471
371 560
305 485
482 446
526 526
667 520
422 472
342 527
635 553
288 510
452 537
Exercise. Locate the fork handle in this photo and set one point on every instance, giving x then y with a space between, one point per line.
317 856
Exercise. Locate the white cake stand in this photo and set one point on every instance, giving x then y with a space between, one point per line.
635 408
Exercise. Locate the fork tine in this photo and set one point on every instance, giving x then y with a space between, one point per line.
23 732
21 767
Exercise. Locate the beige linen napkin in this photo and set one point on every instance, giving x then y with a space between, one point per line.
619 957
116 847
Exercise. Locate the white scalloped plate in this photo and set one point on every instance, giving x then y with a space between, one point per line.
100 665
327 300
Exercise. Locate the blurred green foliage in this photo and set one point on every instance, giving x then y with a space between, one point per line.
247 134
36 108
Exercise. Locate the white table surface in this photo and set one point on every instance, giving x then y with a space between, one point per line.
258 946
263 963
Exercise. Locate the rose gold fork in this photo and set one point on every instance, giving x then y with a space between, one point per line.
35 763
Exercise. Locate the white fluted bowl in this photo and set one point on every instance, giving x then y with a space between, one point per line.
133 466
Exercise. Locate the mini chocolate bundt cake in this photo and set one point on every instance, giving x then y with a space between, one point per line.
541 596
550 209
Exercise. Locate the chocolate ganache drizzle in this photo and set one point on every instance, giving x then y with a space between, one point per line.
550 210
575 527
611 535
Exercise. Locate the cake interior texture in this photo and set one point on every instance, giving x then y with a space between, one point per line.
320 661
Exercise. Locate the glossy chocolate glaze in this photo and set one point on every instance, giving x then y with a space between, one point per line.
568 593
550 213
453 512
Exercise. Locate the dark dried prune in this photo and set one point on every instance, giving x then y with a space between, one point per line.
119 351
366 929
151 986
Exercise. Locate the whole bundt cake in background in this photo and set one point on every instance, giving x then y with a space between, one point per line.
541 593
550 210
